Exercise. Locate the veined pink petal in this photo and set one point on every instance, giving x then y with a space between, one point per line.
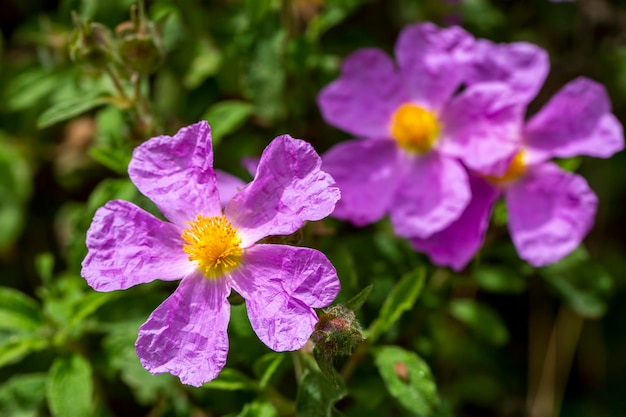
522 66
228 186
281 285
186 335
482 127
456 245
288 190
367 172
363 99
433 62
128 246
434 192
550 213
576 121
177 173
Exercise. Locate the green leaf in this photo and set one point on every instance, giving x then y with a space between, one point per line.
21 395
316 396
18 311
226 117
116 159
16 346
483 320
30 88
88 304
498 279
69 387
582 283
258 409
357 301
68 108
205 63
408 379
231 380
267 366
402 297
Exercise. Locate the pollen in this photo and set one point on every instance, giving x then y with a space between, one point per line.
414 128
515 170
213 244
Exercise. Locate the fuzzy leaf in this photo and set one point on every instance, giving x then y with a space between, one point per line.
69 387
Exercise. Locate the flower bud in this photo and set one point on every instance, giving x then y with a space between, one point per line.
91 45
140 43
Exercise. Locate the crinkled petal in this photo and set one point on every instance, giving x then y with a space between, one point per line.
289 189
456 245
177 173
550 212
367 173
433 61
364 98
128 246
228 186
186 335
434 193
576 121
281 286
523 66
482 127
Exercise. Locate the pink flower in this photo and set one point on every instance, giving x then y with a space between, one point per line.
550 211
214 251
407 117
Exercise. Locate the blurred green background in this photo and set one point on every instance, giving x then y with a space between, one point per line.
501 338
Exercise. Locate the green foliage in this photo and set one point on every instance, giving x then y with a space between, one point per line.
316 396
69 387
481 319
408 379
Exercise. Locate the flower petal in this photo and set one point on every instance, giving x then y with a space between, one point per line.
228 186
363 99
186 335
523 66
434 193
433 61
482 127
367 173
128 246
177 173
281 285
456 245
576 121
288 190
550 212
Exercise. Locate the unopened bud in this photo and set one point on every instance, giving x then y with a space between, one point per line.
91 45
141 46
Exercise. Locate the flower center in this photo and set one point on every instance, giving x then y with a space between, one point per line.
516 168
414 128
213 243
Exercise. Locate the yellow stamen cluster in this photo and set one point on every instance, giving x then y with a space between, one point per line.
516 168
414 128
213 243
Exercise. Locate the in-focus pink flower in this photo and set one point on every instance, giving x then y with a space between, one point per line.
214 251
406 118
550 211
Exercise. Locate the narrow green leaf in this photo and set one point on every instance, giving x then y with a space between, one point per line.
18 311
69 108
357 301
581 282
316 395
232 380
15 347
267 366
258 409
205 63
69 387
116 159
401 299
226 117
408 379
482 319
88 304
501 280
